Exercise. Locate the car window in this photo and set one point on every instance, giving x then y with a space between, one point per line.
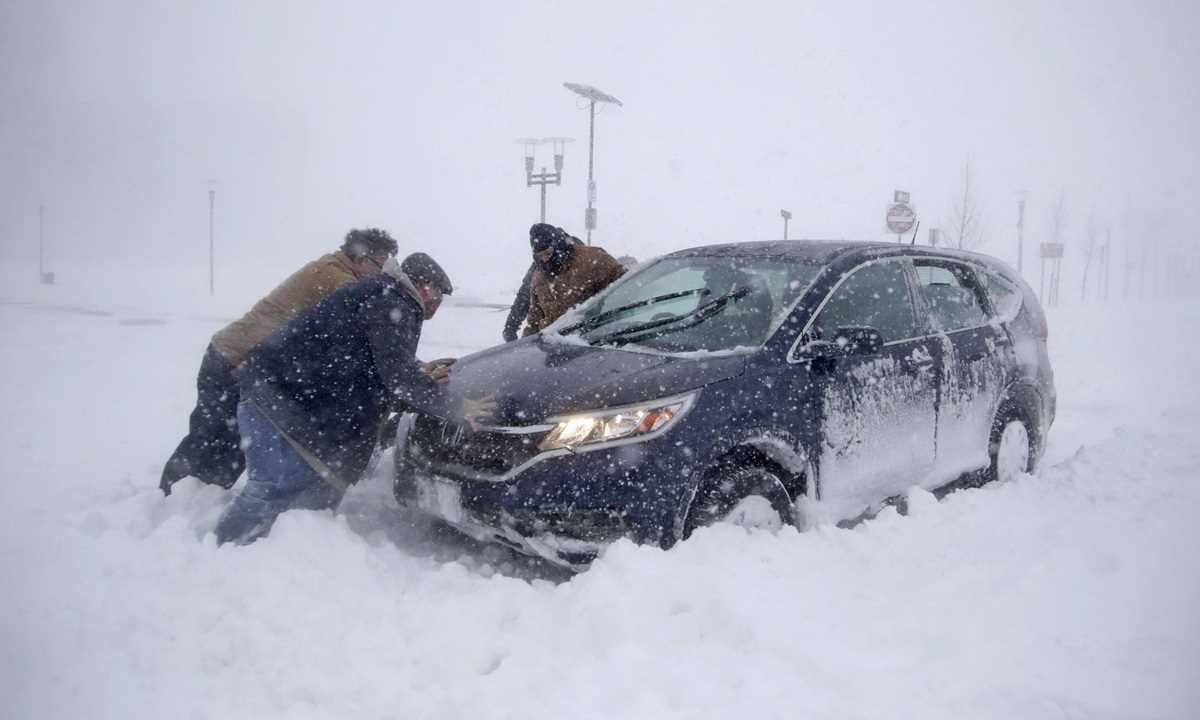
876 296
950 290
1005 297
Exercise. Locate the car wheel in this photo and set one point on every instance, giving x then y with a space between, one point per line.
1011 448
749 496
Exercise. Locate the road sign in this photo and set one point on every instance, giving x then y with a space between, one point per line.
900 196
1052 250
900 218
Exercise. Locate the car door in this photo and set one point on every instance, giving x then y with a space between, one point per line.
974 354
877 410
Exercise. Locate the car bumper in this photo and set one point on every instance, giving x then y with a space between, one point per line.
564 509
570 540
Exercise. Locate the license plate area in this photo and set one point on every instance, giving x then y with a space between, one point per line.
441 498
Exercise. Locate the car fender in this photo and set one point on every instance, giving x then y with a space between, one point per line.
780 446
1025 394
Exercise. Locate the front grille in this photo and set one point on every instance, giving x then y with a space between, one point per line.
447 446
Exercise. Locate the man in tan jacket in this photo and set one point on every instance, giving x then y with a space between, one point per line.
212 451
566 274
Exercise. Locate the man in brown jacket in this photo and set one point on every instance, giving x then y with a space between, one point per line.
566 274
212 451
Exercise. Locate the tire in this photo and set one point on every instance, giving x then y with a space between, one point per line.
1011 447
743 494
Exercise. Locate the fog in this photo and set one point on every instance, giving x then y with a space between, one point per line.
311 118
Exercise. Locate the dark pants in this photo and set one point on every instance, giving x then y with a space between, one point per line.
278 479
212 450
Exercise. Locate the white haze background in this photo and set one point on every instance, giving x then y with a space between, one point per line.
1071 593
315 117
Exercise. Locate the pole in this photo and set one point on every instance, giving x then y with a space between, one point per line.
1021 236
211 264
543 195
1107 257
785 222
590 218
1042 285
41 242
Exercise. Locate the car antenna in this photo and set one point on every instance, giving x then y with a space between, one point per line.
915 231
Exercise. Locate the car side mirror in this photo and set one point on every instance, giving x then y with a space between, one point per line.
858 340
847 341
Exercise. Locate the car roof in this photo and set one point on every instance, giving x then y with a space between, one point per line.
820 251
825 251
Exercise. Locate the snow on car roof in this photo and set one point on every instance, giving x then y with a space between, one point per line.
818 251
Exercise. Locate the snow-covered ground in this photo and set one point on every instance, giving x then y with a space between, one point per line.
1072 593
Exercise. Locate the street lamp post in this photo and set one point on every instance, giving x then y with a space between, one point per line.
593 96
786 216
212 198
41 243
544 178
1021 195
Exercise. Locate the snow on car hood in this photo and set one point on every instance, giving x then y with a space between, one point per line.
533 378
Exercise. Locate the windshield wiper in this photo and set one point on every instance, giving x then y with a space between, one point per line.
657 328
604 317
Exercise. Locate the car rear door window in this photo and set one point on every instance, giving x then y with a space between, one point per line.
1004 296
952 294
875 295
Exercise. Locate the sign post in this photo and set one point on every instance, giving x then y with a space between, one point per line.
1053 252
900 215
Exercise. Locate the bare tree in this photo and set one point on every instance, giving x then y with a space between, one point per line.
966 220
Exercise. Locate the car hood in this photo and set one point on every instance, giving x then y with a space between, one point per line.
534 378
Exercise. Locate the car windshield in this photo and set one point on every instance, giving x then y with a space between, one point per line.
696 303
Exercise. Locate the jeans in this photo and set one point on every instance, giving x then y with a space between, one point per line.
278 479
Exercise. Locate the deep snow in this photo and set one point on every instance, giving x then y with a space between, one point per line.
1072 593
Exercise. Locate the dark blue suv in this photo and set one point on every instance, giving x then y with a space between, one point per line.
764 383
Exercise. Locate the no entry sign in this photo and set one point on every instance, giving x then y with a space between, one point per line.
900 218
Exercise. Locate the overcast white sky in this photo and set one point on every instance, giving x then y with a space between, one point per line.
316 117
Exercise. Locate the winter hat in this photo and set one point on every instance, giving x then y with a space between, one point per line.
544 235
424 270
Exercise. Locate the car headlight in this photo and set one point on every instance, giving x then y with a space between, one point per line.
640 422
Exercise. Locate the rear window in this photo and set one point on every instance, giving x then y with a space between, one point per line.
1004 296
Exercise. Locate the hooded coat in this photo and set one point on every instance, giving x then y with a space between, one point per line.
328 379
588 271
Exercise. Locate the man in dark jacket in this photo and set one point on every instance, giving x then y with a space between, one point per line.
566 273
316 391
520 307
211 451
